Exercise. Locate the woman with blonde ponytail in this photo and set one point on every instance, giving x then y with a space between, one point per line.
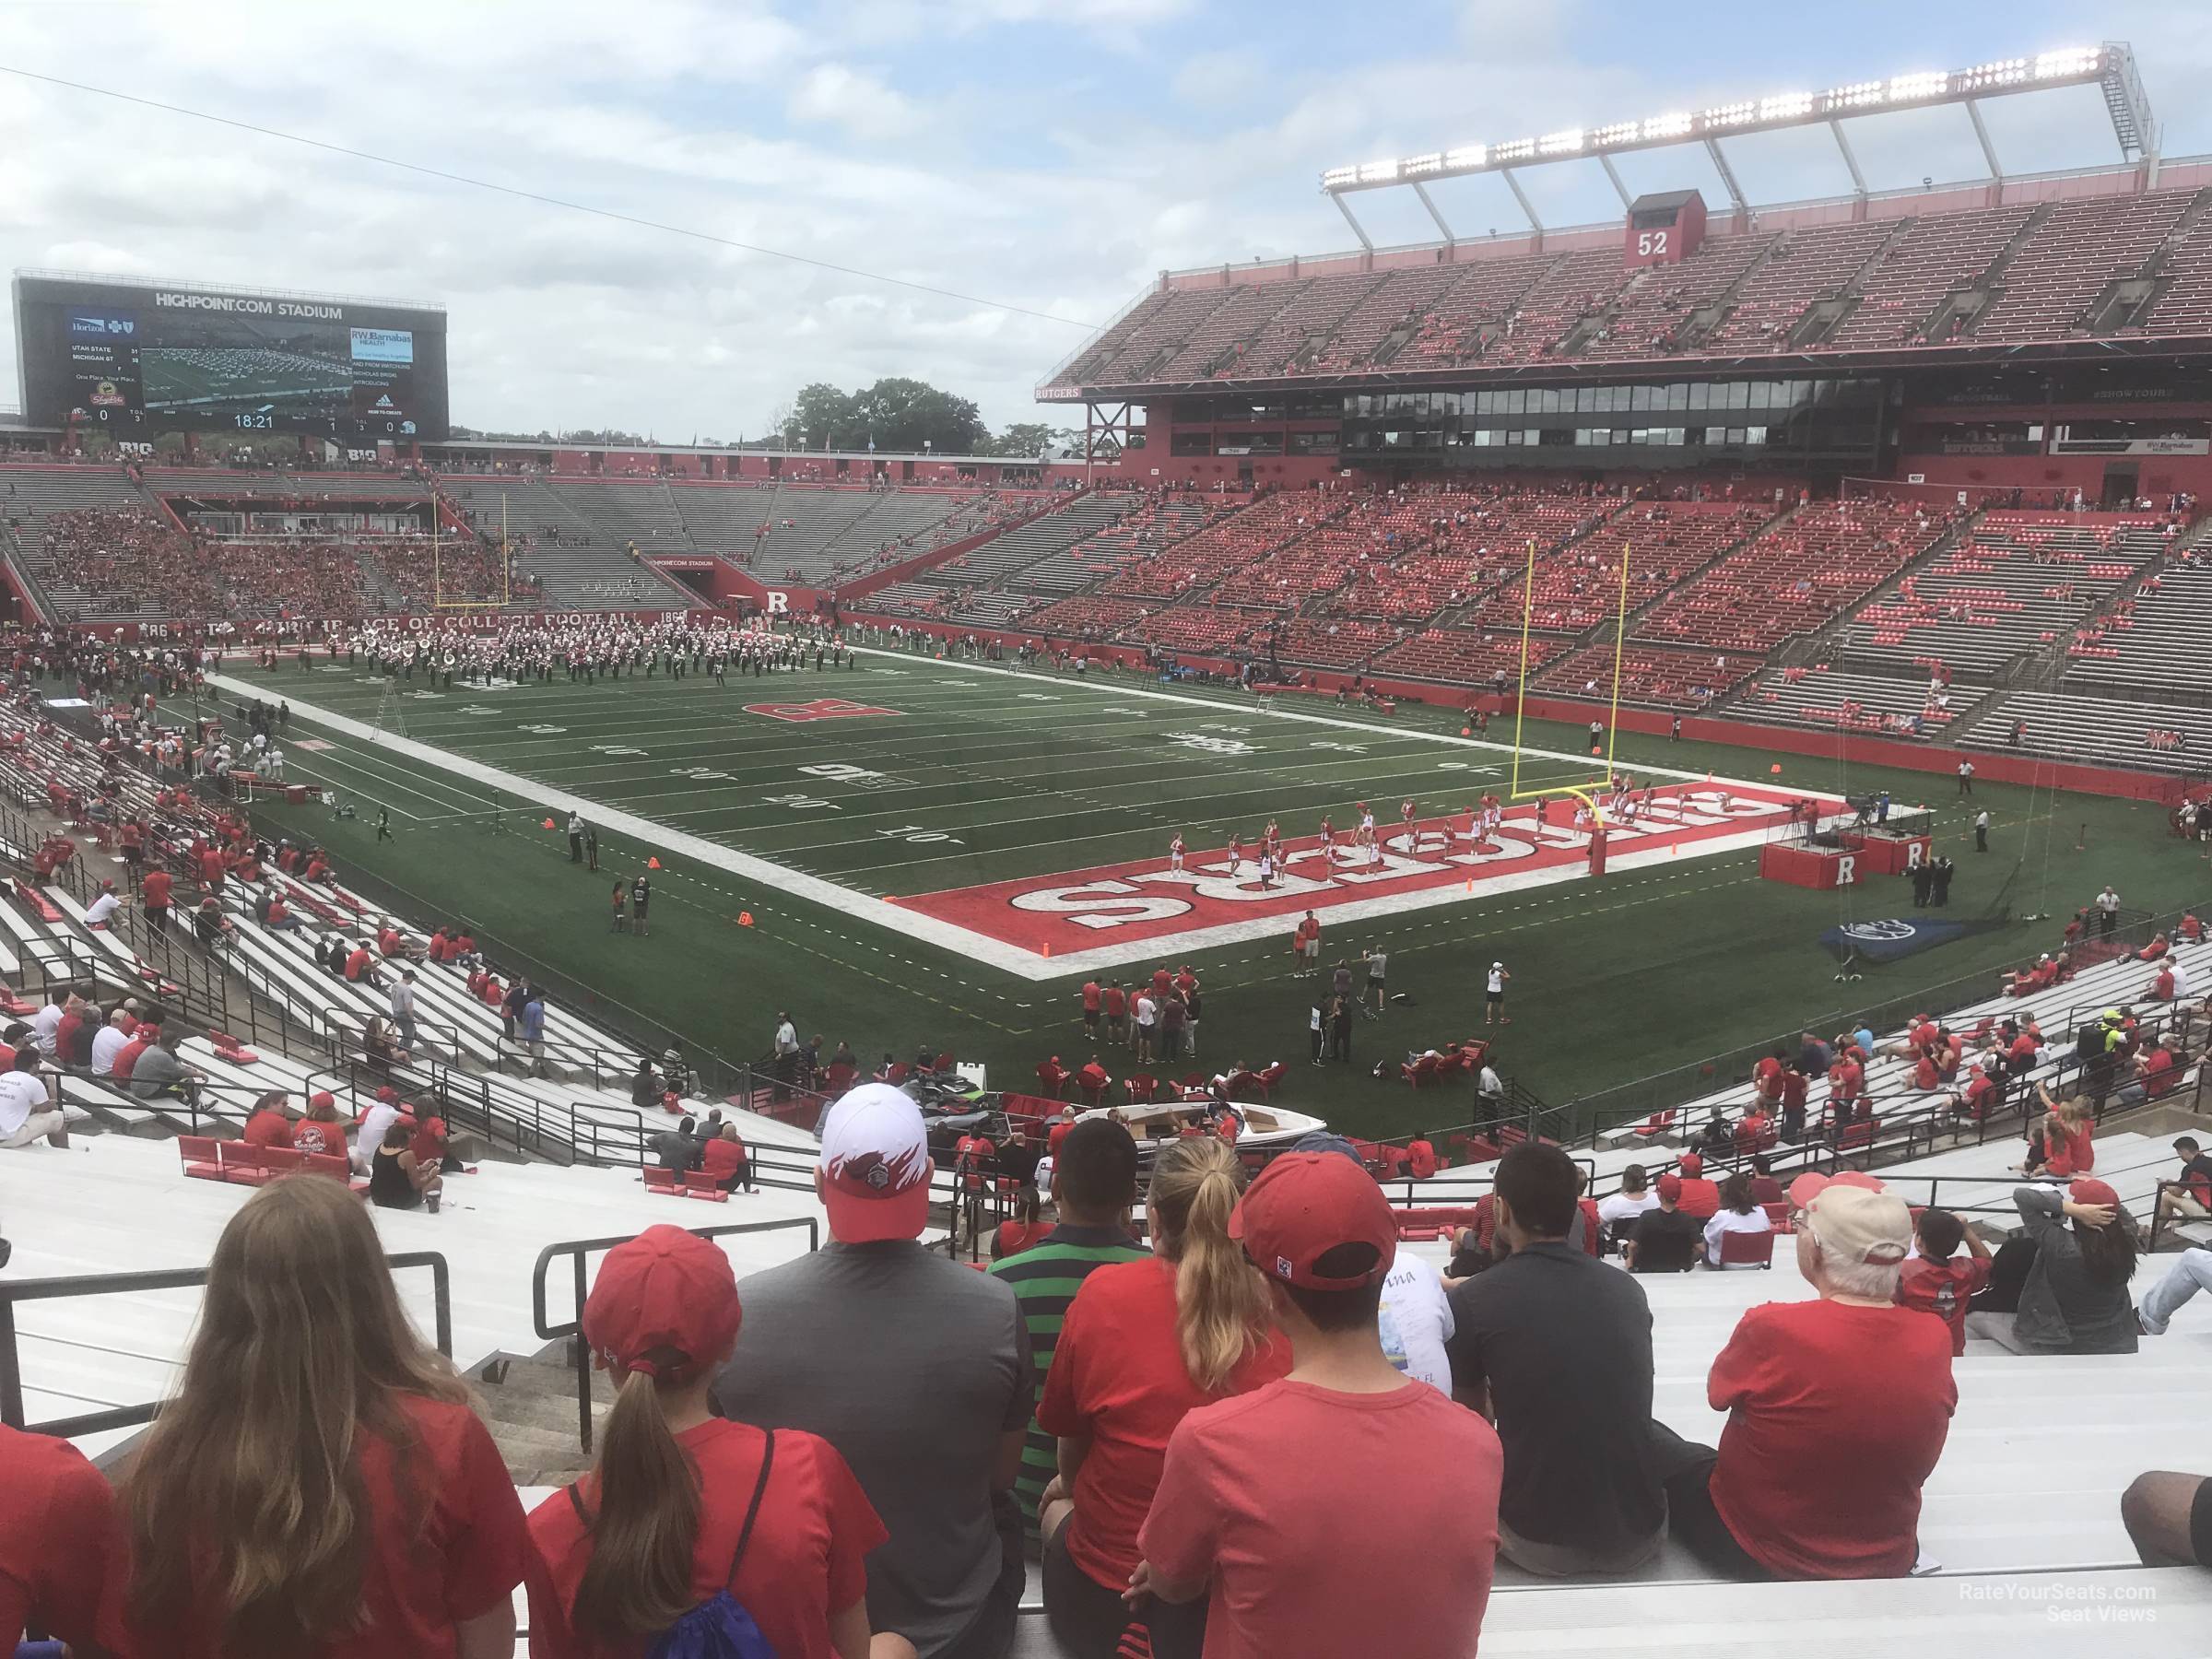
318 1484
707 1535
1144 1344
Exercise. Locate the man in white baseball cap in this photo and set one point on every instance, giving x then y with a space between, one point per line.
915 1368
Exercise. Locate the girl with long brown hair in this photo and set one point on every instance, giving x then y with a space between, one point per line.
318 1484
686 1519
1144 1344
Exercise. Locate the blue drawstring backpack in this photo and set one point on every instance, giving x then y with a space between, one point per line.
717 1628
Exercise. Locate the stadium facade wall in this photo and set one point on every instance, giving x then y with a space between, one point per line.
2157 475
1851 748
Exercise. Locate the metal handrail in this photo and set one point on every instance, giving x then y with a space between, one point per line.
577 1249
177 1278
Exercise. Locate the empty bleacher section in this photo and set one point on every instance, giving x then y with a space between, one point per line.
2048 286
1795 576
998 560
1647 677
2150 641
1996 274
2161 735
1819 694
1155 522
1466 655
1578 582
2017 585
1228 544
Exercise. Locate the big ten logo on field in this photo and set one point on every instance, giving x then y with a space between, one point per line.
821 707
860 777
1207 743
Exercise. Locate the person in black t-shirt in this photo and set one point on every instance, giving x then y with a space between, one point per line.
1666 1240
2192 1200
1557 1346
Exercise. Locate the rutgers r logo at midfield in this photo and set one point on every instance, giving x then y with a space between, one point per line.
821 707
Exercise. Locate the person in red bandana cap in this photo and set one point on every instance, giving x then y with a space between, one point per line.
688 1523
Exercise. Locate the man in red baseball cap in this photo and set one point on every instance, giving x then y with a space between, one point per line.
662 1317
1382 1533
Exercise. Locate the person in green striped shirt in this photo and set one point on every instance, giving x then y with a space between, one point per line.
1094 1185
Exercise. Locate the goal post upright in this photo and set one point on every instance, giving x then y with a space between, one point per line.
1590 793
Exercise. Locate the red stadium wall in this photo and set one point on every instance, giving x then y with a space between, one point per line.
1998 766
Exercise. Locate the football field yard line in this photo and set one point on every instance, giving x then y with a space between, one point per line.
961 941
1074 725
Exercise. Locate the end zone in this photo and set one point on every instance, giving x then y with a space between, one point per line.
1117 915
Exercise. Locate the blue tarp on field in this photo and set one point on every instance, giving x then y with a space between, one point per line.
1899 936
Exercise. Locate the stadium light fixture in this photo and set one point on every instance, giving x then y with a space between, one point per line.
2111 65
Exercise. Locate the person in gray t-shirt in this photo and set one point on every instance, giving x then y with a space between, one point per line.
916 1369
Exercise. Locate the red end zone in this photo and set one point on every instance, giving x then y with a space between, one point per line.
1123 904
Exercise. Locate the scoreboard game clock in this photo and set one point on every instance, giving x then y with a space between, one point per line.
139 358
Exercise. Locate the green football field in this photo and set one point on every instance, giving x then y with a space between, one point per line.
889 850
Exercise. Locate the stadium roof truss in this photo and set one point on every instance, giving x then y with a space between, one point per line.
2111 67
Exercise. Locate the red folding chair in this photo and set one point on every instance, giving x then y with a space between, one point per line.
201 1156
662 1181
1739 1249
698 1184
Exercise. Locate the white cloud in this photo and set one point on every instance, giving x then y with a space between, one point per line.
854 100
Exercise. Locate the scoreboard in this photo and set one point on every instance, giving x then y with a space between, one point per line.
137 359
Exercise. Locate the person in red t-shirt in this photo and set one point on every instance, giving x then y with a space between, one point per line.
1935 1281
724 1157
357 964
1093 998
1421 1156
1348 1507
1838 1410
1700 1197
701 1506
1116 1001
126 1057
424 1556
269 1126
56 1519
154 893
1062 1126
1980 1097
1026 1228
1145 1343
321 1132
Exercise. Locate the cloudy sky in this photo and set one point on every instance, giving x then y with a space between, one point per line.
1050 155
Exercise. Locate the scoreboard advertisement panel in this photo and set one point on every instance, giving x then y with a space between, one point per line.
137 359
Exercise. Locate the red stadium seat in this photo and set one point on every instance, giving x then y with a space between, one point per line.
1739 1248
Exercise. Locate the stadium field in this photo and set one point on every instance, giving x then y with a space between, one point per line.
911 852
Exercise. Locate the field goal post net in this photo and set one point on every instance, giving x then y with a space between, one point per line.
1590 792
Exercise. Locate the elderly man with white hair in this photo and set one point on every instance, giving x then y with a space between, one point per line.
1838 1409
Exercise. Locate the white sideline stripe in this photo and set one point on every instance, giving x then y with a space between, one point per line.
860 906
1013 959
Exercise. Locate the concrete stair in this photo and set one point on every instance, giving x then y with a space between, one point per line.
529 1403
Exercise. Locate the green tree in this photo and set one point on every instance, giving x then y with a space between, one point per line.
897 414
1028 439
820 417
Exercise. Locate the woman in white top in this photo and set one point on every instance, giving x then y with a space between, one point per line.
1738 1212
1634 1197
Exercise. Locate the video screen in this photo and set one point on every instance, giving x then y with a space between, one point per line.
164 358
